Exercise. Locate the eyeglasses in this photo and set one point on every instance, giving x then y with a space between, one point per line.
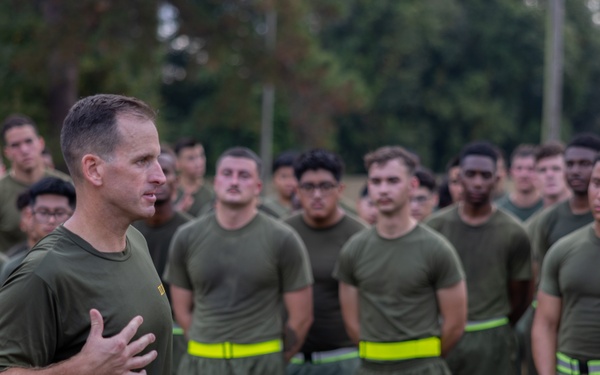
324 187
45 216
419 199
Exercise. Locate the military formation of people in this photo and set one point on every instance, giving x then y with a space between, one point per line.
134 262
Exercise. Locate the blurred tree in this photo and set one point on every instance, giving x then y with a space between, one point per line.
219 63
55 51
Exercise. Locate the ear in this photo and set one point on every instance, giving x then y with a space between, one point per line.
259 186
42 143
435 199
414 182
93 168
341 187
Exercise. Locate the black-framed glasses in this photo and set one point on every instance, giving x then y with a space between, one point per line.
44 216
323 187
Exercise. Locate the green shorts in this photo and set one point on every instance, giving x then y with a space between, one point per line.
344 367
271 364
490 352
422 366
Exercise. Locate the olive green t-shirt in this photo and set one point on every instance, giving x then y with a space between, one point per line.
278 210
10 232
523 213
324 245
492 254
203 200
45 303
238 277
551 225
159 239
397 280
570 272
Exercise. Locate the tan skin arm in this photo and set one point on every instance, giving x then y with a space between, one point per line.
299 307
182 302
545 331
102 356
452 302
349 304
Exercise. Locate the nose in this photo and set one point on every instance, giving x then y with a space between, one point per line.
157 175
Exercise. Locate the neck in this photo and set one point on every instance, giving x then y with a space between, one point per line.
28 177
191 184
597 228
234 217
164 212
395 225
579 204
106 235
475 214
525 198
549 200
326 222
285 201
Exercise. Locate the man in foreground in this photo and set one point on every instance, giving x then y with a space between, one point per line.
87 299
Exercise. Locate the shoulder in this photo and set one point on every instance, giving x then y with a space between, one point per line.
574 240
445 214
57 173
353 223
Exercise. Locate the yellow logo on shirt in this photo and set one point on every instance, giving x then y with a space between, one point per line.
161 289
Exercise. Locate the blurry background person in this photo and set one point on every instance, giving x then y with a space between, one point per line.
51 201
283 202
524 199
194 196
424 198
365 207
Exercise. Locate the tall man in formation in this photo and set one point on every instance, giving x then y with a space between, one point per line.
231 272
495 252
324 228
398 278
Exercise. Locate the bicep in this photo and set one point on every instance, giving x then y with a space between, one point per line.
181 299
548 309
298 302
348 299
452 301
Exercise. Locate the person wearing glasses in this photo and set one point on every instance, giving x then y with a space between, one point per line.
23 147
424 198
324 227
231 272
51 203
402 288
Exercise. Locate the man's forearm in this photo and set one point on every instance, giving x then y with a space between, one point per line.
294 336
451 333
543 339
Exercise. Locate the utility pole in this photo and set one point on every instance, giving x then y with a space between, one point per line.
553 72
268 100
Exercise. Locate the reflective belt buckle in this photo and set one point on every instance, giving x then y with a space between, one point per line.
571 366
229 350
401 350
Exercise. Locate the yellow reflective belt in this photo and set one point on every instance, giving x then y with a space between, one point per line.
395 351
485 324
228 350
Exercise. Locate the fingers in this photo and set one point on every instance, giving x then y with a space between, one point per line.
97 323
131 328
140 344
142 361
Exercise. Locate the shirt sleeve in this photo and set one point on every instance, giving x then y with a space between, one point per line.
447 268
295 269
176 272
29 324
549 282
